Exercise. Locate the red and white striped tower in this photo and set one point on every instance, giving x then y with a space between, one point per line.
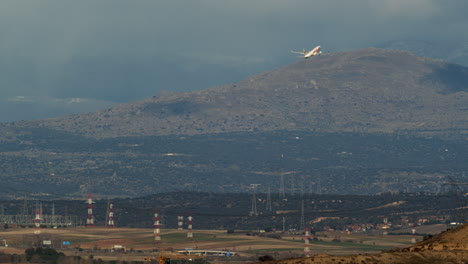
180 222
157 228
90 217
189 227
306 241
110 217
37 222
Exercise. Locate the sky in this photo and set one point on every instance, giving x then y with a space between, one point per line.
60 57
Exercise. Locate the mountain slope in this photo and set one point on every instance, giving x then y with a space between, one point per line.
368 90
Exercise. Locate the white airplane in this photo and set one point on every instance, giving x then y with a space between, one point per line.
315 51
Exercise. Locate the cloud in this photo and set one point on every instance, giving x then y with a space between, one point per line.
416 9
21 99
54 101
33 107
119 50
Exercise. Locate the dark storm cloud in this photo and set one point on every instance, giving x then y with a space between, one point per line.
116 50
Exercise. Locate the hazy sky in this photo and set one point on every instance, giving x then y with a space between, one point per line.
59 56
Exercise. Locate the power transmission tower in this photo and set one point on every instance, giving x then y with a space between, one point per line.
284 224
24 213
461 202
253 211
107 211
268 202
302 224
319 185
281 189
293 184
41 211
301 187
37 206
53 214
311 187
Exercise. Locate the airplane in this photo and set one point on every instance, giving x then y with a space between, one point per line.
315 51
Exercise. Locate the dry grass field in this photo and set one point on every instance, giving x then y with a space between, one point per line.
139 242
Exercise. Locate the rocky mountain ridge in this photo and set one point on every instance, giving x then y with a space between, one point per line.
368 90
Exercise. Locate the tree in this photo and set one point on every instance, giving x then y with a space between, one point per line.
265 258
39 254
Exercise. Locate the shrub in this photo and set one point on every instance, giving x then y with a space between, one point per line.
265 258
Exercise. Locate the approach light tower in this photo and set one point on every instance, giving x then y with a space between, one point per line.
90 217
37 222
189 227
180 222
413 235
281 187
157 227
306 241
110 217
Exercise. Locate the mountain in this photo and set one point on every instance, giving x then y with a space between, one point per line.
455 53
361 122
368 90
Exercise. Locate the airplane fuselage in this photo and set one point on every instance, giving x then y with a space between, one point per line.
313 52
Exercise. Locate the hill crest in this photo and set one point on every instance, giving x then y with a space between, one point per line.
367 90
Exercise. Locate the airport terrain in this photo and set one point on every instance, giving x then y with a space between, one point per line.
139 243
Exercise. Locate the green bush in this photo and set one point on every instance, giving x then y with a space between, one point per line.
48 255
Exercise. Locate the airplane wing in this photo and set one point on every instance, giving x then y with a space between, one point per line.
297 52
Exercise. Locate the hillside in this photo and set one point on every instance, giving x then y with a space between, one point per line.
448 247
368 90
